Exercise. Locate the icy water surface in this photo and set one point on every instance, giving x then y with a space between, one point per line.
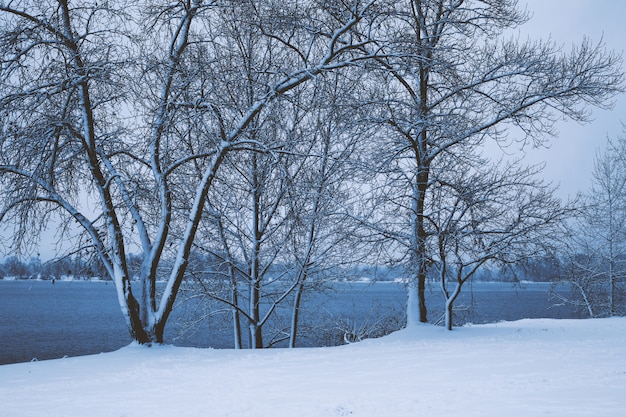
39 320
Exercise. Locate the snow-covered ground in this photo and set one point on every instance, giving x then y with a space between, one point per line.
525 368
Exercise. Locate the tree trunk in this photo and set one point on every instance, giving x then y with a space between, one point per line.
450 304
412 307
236 318
295 315
421 255
448 314
255 336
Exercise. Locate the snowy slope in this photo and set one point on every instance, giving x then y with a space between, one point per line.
524 368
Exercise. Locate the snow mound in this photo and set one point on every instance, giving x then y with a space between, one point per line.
523 368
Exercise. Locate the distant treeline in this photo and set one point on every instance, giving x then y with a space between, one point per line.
35 268
542 270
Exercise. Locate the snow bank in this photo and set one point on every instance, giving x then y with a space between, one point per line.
523 368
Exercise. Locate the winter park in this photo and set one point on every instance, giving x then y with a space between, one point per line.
312 208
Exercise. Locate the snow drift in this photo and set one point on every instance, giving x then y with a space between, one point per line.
523 368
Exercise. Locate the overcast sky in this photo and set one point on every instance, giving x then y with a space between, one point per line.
569 160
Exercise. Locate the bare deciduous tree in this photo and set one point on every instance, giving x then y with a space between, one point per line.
278 224
453 83
595 259
489 214
104 122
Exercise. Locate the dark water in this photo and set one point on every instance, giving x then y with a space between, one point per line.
39 320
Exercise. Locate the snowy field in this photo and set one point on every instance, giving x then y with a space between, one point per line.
524 368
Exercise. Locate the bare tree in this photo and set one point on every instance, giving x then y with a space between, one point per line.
489 214
323 238
580 269
595 262
452 83
104 123
606 215
278 223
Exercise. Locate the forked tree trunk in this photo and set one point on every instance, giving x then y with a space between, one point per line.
295 315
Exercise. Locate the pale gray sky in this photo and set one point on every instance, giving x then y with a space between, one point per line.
569 160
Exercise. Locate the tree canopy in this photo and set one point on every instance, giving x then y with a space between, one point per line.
244 128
